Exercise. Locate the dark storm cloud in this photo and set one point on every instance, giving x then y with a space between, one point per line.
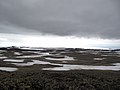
86 18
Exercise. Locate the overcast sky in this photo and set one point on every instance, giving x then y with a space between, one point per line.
80 18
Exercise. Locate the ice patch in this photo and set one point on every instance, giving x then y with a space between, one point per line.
32 48
105 55
10 69
116 64
31 63
66 67
13 60
17 53
61 59
99 58
40 62
3 57
1 54
34 56
118 52
30 56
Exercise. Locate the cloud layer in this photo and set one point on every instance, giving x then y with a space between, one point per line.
84 18
56 41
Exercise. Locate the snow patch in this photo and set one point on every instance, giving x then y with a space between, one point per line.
10 69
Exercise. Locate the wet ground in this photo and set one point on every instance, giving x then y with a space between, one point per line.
60 60
48 64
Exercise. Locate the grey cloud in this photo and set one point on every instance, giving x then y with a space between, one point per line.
86 18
